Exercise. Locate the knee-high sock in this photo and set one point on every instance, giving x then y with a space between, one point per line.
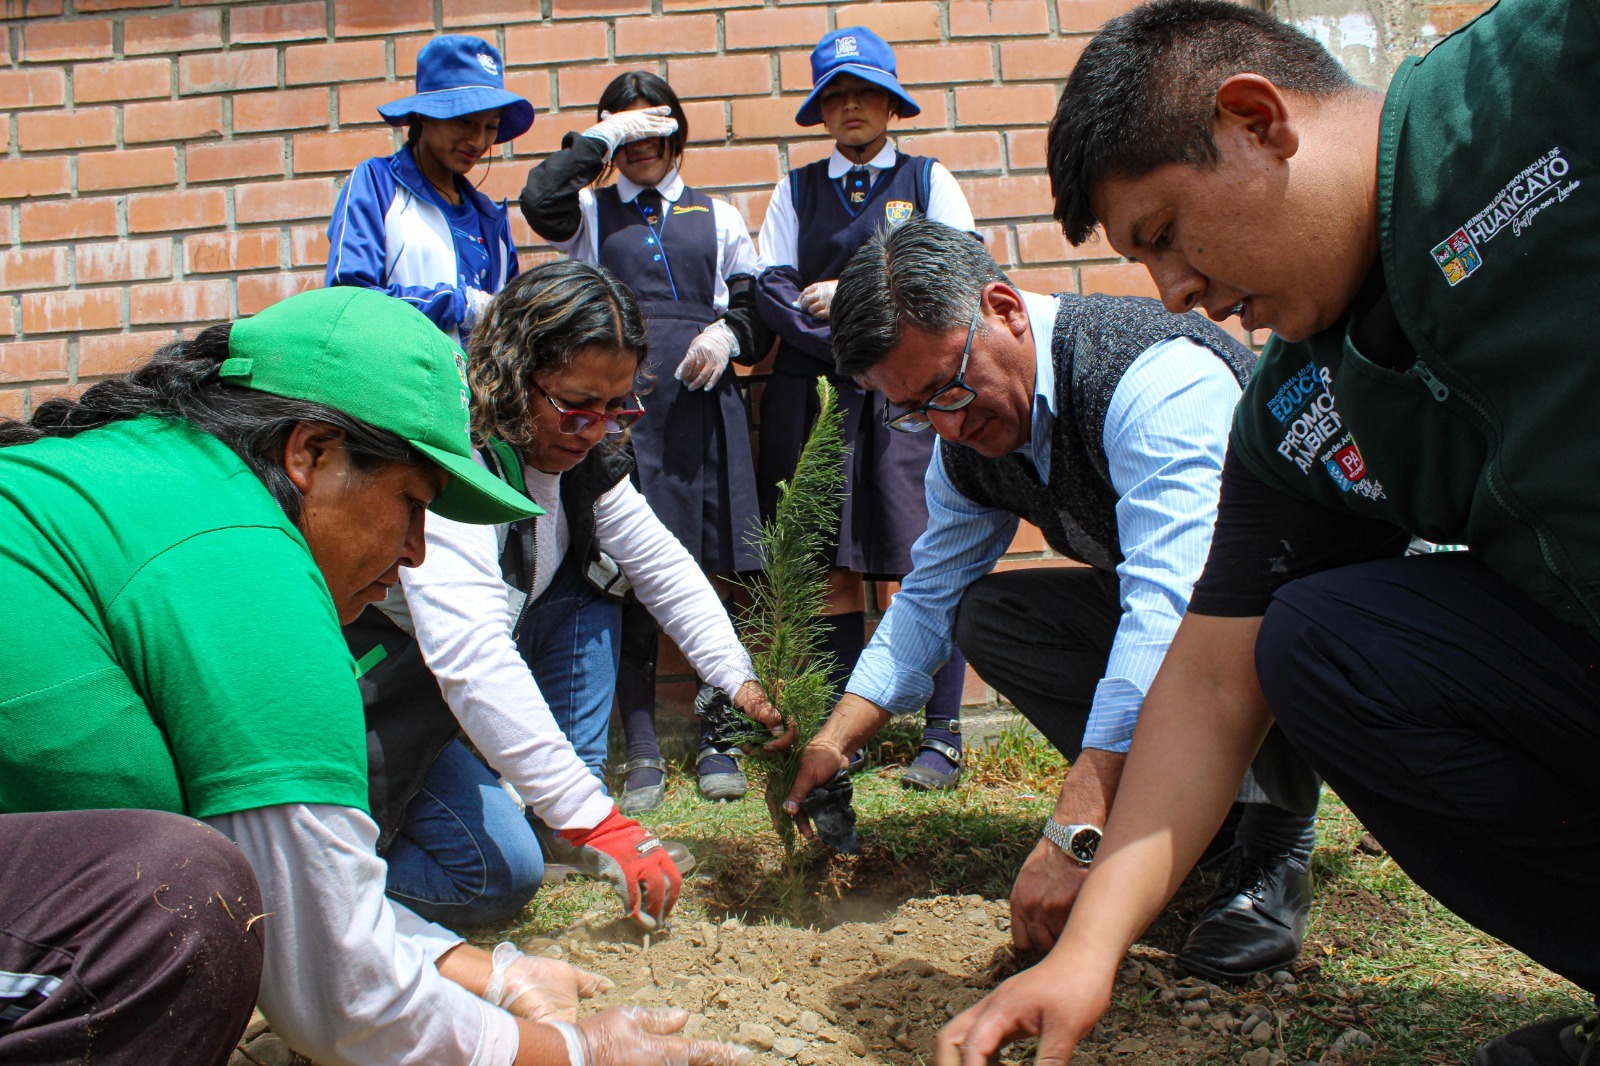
636 703
843 636
944 712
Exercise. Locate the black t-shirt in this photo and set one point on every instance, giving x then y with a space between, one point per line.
1266 538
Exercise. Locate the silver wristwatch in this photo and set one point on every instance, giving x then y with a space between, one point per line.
1079 841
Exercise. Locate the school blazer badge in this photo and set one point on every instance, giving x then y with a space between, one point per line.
897 211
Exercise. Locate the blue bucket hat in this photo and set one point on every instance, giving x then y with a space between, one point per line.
459 75
853 50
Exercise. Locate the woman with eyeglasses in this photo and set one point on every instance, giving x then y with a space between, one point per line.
520 626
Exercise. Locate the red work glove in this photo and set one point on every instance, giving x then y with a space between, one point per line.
633 860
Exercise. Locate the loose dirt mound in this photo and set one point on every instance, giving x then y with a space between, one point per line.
858 993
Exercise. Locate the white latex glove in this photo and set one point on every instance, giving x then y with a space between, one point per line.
639 1036
707 357
477 303
817 299
540 989
614 131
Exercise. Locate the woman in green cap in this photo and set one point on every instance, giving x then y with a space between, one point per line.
178 549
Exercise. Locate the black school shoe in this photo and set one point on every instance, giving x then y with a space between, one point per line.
1256 920
1570 1041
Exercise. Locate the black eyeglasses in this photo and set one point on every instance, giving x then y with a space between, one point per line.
950 397
575 421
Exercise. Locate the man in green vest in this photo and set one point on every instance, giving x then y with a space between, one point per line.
1426 261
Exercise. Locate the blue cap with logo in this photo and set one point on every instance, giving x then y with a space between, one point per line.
459 75
853 50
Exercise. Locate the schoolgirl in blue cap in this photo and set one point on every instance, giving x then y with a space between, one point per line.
820 214
689 259
410 224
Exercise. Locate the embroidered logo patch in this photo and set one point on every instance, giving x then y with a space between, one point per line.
845 46
461 372
897 211
1458 257
690 209
487 62
1314 434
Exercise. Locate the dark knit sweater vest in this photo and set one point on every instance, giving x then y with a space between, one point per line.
1096 339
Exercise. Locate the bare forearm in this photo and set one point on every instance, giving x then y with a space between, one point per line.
1200 726
853 722
1087 793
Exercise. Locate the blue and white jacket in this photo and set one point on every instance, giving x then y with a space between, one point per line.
387 234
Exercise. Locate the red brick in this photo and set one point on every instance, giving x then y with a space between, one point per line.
308 245
177 209
1042 242
124 260
767 27
1005 105
34 360
702 5
290 109
1043 279
40 131
178 301
49 42
668 35
904 20
358 104
747 164
277 22
582 9
121 80
214 72
38 394
34 177
275 201
1087 16
127 169
360 18
707 123
767 117
546 134
1025 149
997 18
1040 60
405 53
11 403
5 130
935 114
488 12
941 64
960 152
258 291
1448 18
172 120
794 71
118 353
581 85
81 6
813 148
32 88
305 64
338 153
31 9
212 253
181 31
720 76
533 85
62 220
526 45
998 240
1118 279
1012 197
235 159
71 312
33 268
500 183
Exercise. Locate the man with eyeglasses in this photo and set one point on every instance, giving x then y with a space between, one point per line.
1103 421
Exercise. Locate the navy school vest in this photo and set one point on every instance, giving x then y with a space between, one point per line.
673 262
831 230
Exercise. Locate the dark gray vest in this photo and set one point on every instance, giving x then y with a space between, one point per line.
1096 339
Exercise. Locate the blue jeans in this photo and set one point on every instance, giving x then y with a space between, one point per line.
466 854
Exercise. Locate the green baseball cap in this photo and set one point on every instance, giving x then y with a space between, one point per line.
380 360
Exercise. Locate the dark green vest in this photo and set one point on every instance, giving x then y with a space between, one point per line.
1489 228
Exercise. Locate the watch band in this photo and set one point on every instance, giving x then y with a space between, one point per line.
1079 841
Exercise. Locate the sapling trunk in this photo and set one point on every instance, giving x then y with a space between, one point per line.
783 623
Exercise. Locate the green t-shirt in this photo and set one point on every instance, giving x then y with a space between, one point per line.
168 641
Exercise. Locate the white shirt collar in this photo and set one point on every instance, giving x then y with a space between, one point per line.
671 188
838 165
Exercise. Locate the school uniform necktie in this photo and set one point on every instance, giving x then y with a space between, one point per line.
649 204
856 183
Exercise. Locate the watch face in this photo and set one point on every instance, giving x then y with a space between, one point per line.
1084 843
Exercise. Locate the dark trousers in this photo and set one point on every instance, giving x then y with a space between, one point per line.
126 938
1042 639
1460 721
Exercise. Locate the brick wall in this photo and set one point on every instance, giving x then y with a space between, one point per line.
168 165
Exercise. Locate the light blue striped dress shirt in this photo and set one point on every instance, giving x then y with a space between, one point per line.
1165 435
